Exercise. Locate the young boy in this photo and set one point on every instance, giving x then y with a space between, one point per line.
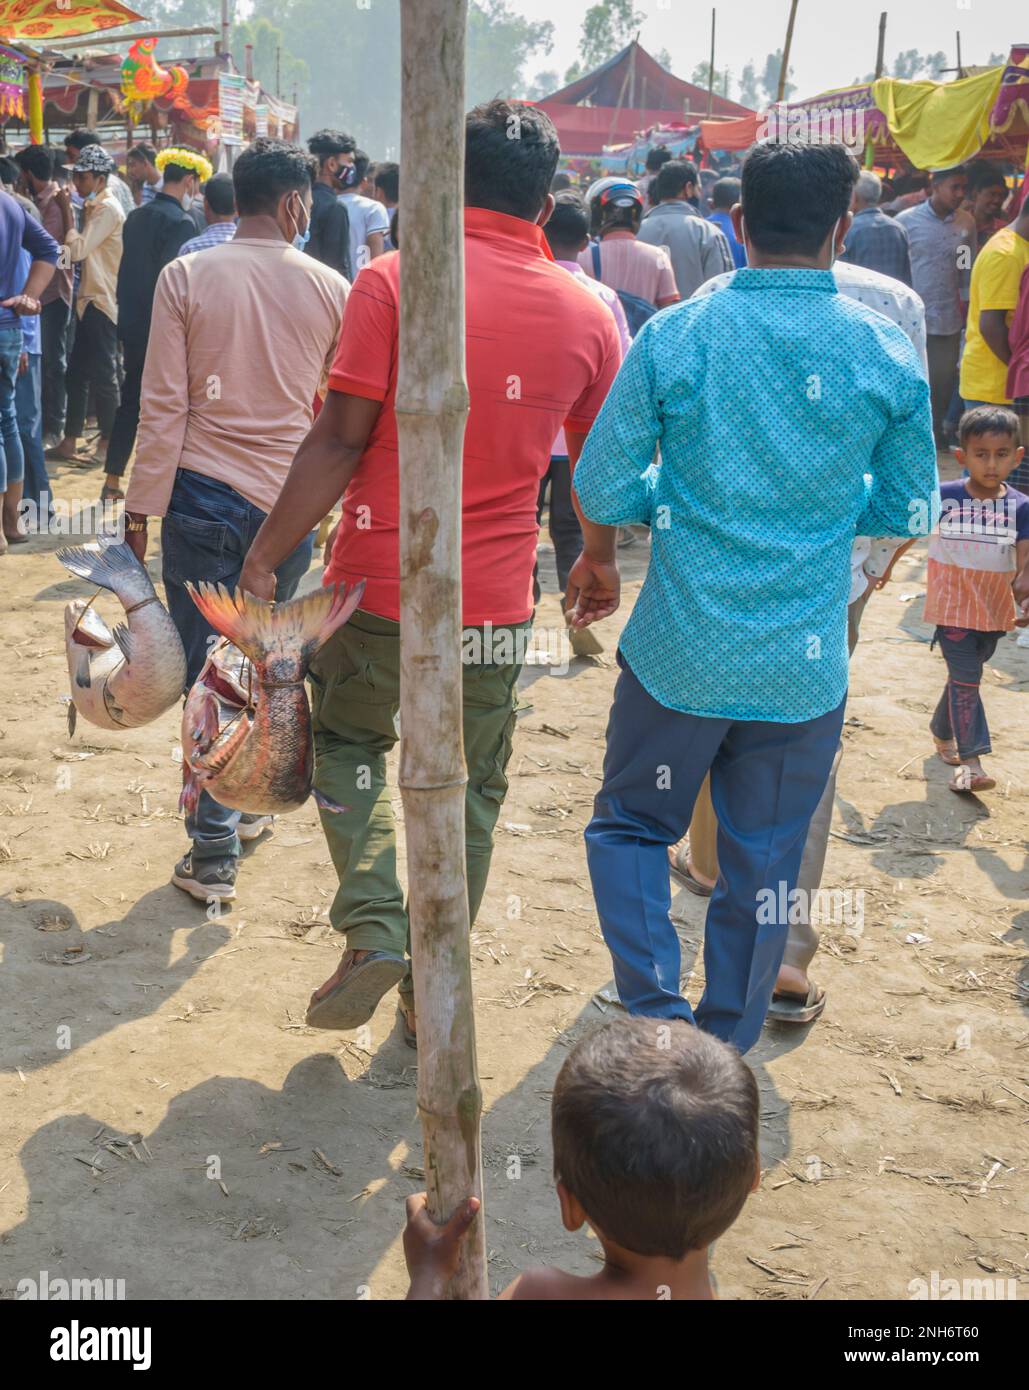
655 1133
978 571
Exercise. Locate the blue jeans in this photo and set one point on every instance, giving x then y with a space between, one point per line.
766 782
206 533
12 460
28 402
960 715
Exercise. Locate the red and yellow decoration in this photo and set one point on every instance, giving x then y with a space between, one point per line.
56 19
143 79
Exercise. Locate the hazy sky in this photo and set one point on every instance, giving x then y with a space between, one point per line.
832 42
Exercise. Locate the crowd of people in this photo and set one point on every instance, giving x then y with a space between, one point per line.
753 372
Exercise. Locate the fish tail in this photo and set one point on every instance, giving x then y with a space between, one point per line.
265 632
112 567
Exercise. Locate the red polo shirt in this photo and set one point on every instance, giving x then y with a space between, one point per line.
541 352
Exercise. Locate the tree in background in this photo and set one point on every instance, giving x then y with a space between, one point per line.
759 90
499 44
664 58
542 85
273 60
606 29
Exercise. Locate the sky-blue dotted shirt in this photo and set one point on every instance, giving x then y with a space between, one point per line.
769 401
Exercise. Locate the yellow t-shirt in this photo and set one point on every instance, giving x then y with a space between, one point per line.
996 277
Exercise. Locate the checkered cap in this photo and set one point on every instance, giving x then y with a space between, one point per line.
93 159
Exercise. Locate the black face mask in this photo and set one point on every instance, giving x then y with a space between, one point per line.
346 177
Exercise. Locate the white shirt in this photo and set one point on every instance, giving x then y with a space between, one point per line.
366 216
869 556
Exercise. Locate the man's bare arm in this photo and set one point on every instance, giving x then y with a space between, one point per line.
993 325
317 479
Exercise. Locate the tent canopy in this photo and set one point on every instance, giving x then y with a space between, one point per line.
33 20
628 93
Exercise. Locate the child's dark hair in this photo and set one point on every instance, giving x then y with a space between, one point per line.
569 224
655 1132
988 419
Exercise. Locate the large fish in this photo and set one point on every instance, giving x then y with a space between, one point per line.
246 728
128 677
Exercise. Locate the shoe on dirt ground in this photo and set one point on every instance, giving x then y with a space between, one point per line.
204 879
252 827
350 996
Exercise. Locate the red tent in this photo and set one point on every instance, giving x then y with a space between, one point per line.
630 92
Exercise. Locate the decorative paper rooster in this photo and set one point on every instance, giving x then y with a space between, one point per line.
143 79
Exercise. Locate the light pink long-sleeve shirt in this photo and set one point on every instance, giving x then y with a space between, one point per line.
241 338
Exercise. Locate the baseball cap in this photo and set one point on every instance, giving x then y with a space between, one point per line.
93 159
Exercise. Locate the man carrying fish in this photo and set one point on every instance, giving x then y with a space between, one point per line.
220 422
527 322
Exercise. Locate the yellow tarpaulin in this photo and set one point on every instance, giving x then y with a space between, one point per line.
936 124
54 19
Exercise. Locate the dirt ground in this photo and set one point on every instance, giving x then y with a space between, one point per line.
272 1160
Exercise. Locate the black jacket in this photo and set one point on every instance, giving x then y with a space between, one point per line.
152 236
330 230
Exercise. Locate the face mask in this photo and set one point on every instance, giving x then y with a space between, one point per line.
90 197
347 176
301 238
832 243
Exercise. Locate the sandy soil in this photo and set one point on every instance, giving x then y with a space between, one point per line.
273 1160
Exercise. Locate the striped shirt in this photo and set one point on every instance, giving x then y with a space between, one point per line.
633 267
972 559
213 235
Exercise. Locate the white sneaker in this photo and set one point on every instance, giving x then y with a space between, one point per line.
252 827
1023 638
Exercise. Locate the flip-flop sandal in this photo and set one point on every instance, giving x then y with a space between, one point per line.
967 781
679 870
352 1001
797 1008
948 753
409 1033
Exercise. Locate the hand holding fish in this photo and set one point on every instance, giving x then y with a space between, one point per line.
256 579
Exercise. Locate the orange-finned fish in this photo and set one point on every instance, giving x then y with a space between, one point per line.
246 731
128 677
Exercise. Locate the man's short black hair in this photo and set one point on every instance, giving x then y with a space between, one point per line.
655 1132
143 151
220 195
387 177
671 182
794 194
361 166
36 160
982 174
8 171
511 154
323 144
942 175
560 182
265 171
175 173
655 159
988 419
80 137
725 194
569 224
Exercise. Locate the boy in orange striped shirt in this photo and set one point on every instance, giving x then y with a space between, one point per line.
978 573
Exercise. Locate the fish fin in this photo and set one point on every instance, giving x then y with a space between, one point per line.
189 797
106 566
326 803
264 631
73 715
123 637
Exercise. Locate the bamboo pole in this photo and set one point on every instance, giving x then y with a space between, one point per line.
711 68
880 61
784 70
432 406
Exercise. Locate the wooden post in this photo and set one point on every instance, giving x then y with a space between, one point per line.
961 69
880 61
784 70
432 406
711 69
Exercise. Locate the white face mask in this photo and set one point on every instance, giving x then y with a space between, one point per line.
832 242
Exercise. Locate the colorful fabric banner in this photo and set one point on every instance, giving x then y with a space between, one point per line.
12 83
231 90
939 124
56 19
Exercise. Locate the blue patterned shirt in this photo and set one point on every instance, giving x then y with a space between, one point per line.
214 234
769 401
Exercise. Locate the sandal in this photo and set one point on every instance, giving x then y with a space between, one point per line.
352 995
947 751
797 1008
678 865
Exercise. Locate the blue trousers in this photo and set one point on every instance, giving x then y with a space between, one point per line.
206 533
960 715
28 400
766 782
12 460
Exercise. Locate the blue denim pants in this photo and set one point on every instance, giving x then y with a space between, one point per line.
206 533
12 460
766 782
960 715
28 401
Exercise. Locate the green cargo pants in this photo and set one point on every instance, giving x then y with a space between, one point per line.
355 697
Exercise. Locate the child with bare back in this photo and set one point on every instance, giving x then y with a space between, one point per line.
655 1135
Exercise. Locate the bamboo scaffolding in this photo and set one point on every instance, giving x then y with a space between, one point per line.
432 407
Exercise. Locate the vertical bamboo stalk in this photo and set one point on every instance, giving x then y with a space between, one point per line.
432 406
784 71
880 58
711 69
